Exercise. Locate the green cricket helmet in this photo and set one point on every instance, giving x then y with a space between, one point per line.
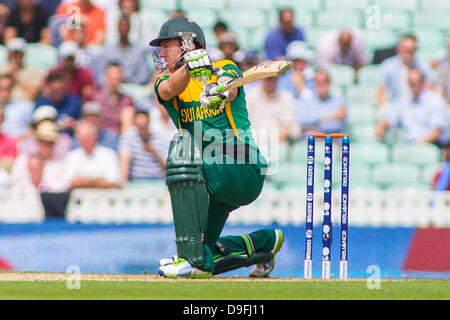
182 28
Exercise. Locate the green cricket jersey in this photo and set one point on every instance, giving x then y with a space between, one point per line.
185 110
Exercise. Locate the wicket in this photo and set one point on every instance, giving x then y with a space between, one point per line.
327 202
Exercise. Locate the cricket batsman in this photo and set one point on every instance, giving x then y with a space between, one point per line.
213 166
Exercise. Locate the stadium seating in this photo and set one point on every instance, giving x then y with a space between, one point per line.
168 5
342 75
284 152
363 114
395 19
359 172
430 54
338 91
136 91
411 5
244 35
390 165
41 56
206 18
437 19
362 133
339 18
256 39
429 38
249 4
289 173
303 18
435 4
297 5
346 4
364 186
313 35
361 93
368 74
248 18
421 154
156 16
389 173
211 40
375 153
298 152
203 4
428 172
380 39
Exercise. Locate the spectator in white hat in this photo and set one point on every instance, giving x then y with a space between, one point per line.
27 80
300 80
63 141
25 172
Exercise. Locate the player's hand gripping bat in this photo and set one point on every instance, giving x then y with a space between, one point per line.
261 71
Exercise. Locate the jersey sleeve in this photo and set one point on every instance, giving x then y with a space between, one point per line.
232 71
157 83
171 108
229 67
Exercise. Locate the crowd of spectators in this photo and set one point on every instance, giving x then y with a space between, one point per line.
71 126
412 95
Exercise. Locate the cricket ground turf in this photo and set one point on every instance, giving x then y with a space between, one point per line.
50 286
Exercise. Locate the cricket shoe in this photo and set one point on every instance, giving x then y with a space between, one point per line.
181 268
262 270
166 261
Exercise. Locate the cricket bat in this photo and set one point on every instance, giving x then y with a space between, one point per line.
261 71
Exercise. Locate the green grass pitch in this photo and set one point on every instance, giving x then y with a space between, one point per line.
221 288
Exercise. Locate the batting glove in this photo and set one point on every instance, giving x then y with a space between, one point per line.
213 98
198 64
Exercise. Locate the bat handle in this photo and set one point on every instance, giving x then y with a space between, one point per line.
217 71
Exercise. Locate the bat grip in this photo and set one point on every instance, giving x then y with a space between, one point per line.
218 71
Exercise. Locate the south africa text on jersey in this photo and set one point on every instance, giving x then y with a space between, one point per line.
194 113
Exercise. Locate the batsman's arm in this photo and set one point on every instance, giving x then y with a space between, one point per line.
233 92
174 85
